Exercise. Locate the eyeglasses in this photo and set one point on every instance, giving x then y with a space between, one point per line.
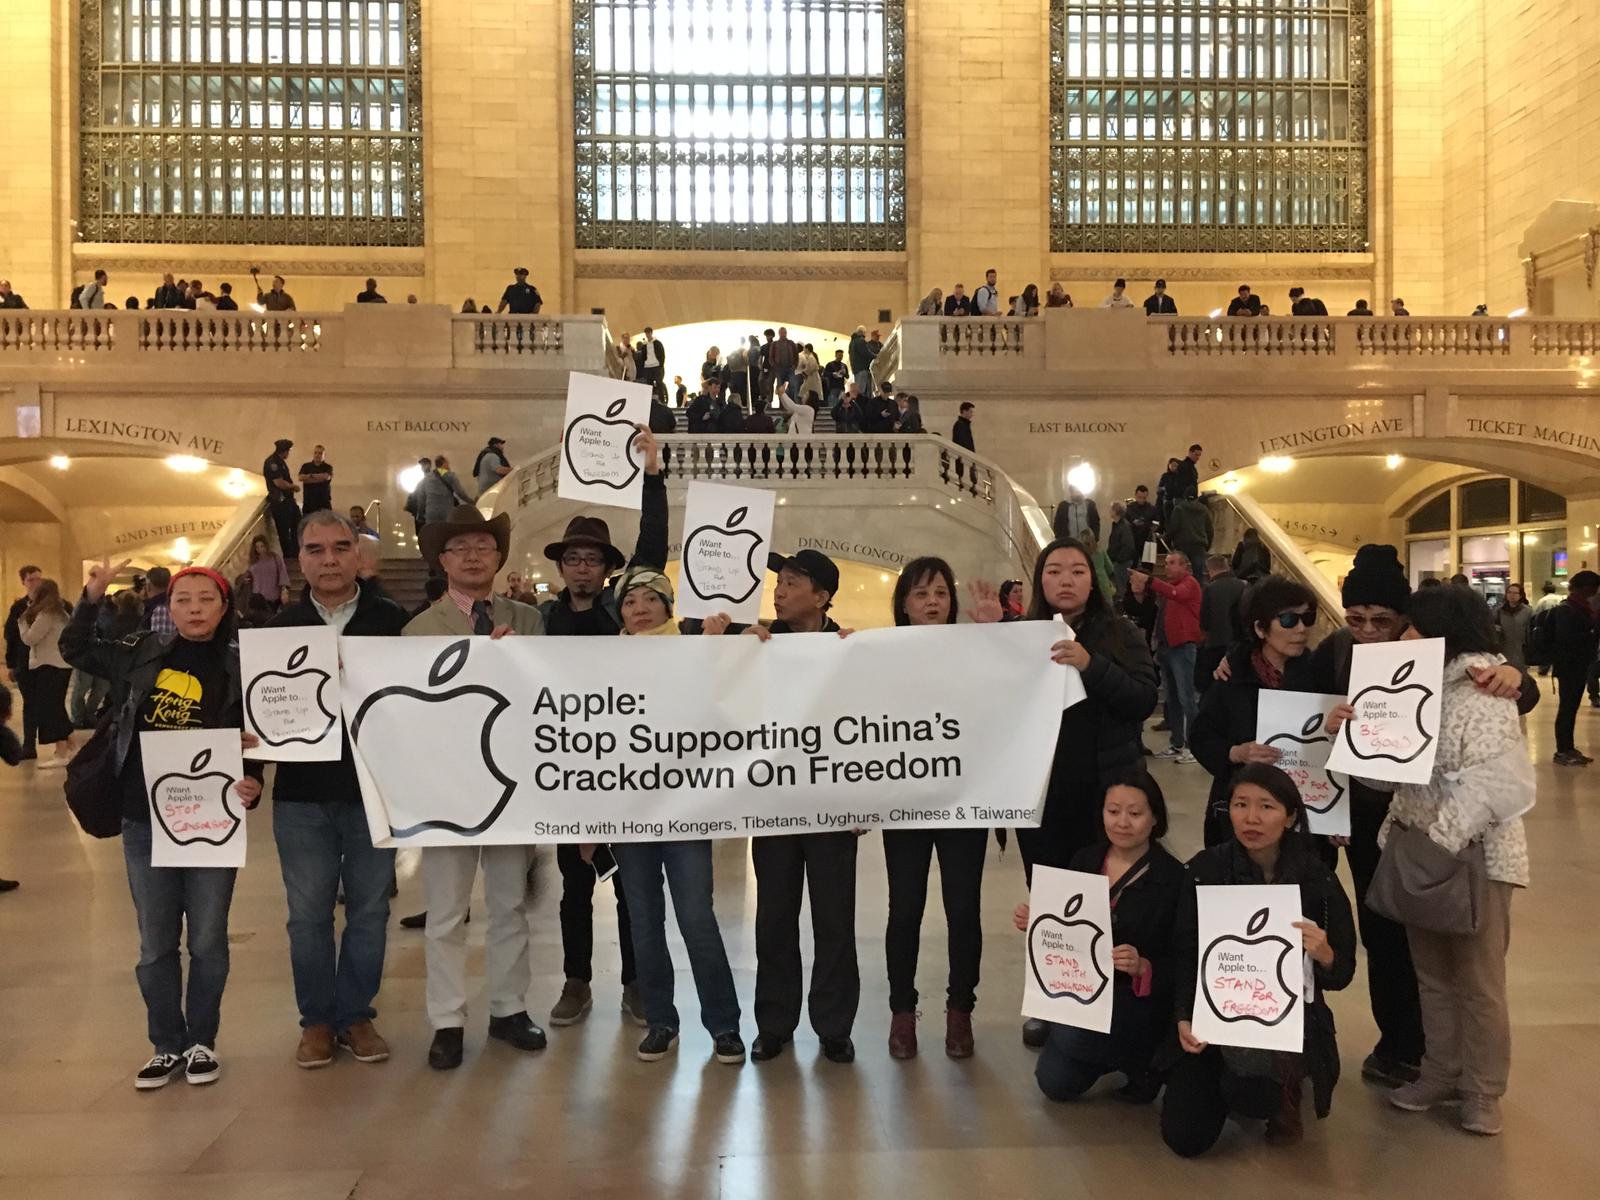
582 560
1288 620
1376 624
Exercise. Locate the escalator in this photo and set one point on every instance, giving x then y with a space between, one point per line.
1231 515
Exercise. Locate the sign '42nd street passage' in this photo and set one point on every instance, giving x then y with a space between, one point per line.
526 740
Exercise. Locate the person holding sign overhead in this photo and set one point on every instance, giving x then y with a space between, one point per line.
1098 741
1482 784
925 594
1145 882
321 827
168 681
1209 1083
1278 615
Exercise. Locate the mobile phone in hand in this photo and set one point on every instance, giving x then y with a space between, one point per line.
604 863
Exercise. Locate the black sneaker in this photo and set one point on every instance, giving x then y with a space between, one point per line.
839 1050
203 1066
729 1048
768 1046
159 1071
1388 1072
658 1043
519 1030
1568 758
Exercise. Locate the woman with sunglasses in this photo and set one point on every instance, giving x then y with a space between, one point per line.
1278 614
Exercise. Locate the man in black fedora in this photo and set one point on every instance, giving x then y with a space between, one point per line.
469 550
588 606
786 865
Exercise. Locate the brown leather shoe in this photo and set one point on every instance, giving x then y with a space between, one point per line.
958 1034
316 1047
1286 1128
903 1035
364 1043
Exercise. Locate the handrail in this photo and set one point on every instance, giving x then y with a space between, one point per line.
228 551
1287 556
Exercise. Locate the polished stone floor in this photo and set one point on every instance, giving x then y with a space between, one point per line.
585 1118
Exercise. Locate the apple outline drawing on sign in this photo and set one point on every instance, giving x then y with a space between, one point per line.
1253 927
194 776
1069 920
735 519
1313 724
1423 693
604 425
290 673
446 667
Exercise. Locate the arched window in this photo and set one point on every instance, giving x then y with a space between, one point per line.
273 121
739 124
1208 125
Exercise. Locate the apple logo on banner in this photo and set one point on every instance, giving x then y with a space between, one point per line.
407 716
713 565
194 807
1401 705
1244 979
601 450
281 704
1061 953
1316 797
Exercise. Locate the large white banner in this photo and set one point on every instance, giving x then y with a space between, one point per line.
624 739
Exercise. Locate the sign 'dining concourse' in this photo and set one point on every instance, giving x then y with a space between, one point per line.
527 740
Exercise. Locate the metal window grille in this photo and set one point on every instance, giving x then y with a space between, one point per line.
739 124
230 121
1208 125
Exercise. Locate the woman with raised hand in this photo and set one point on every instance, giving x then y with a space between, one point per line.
645 600
188 679
1278 615
1482 784
1098 741
1207 1084
1145 881
925 594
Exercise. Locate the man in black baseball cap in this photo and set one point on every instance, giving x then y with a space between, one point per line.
786 864
491 465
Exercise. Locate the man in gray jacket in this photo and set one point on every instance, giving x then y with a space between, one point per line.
439 493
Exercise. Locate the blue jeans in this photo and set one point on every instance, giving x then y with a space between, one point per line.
165 898
1177 671
687 866
318 845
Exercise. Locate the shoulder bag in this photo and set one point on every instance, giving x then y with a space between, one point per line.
93 792
1418 882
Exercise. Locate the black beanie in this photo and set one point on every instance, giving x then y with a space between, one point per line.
1377 577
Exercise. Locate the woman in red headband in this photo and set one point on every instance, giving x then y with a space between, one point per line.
188 679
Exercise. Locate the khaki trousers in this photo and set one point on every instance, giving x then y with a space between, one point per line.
447 876
1462 984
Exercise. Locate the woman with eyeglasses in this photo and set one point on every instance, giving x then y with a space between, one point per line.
1278 615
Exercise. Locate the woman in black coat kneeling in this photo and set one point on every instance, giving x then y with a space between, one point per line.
1145 883
1209 1083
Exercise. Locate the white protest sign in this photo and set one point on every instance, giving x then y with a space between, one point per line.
291 692
1394 734
1293 724
726 531
601 462
196 819
1249 991
1071 678
540 739
1068 974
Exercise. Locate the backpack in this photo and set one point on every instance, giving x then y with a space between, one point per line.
77 297
1541 647
93 792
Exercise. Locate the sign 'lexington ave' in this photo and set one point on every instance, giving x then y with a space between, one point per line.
538 739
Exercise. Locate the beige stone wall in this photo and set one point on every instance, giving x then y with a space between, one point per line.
1482 112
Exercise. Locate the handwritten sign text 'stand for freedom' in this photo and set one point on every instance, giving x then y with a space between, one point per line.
291 692
1249 991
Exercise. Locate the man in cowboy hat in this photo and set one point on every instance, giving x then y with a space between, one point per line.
786 865
468 551
588 606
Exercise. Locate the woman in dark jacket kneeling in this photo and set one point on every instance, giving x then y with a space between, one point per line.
1145 883
1209 1083
1099 737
